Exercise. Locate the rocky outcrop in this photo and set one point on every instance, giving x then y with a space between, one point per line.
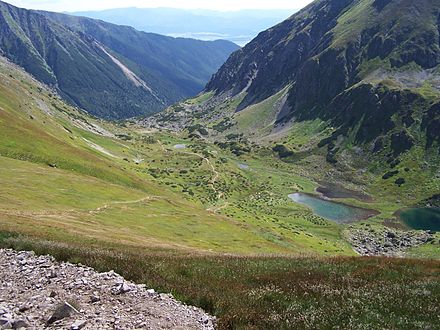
320 49
368 241
354 64
37 292
431 123
433 201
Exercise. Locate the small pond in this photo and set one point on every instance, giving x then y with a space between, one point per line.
421 218
180 146
243 166
337 212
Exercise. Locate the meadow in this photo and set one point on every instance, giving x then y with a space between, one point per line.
211 222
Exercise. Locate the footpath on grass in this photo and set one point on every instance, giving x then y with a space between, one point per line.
37 292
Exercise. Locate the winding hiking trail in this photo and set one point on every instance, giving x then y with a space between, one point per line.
162 146
215 175
212 181
70 212
106 206
216 209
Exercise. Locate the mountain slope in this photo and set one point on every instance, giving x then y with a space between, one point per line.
332 42
70 177
181 215
110 71
187 63
116 183
367 68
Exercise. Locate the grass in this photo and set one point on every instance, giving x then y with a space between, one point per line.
351 22
192 222
427 251
274 292
258 119
194 199
69 206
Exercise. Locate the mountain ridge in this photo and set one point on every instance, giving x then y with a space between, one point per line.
357 65
67 53
237 26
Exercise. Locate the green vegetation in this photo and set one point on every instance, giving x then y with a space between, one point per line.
112 71
343 65
274 292
353 21
204 212
194 198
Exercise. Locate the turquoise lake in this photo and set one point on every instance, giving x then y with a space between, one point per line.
333 211
422 218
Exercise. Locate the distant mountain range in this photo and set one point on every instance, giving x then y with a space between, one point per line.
111 71
239 26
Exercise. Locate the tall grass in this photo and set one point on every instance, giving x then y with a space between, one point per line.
275 292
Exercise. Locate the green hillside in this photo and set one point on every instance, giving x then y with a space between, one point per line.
185 220
341 85
353 65
232 196
64 152
111 71
246 200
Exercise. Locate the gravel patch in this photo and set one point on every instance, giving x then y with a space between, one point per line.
37 292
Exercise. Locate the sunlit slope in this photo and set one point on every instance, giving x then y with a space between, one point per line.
69 177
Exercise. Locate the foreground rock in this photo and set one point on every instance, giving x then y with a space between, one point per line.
368 241
38 292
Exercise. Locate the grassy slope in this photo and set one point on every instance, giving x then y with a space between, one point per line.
419 167
275 293
149 221
141 203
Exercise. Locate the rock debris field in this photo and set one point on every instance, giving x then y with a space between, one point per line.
36 292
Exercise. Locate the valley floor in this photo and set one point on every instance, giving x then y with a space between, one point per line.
212 222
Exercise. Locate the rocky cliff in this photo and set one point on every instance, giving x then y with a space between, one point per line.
369 69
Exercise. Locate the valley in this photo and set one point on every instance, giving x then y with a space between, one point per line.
110 71
163 208
302 195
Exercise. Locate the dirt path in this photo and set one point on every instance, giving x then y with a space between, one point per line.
162 146
106 206
216 209
70 212
212 181
215 173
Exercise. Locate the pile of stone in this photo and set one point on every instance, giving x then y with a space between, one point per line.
390 242
37 292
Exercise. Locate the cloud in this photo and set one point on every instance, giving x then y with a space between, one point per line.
82 5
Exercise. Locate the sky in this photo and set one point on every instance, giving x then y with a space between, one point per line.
223 5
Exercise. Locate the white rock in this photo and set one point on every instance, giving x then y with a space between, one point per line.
77 325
